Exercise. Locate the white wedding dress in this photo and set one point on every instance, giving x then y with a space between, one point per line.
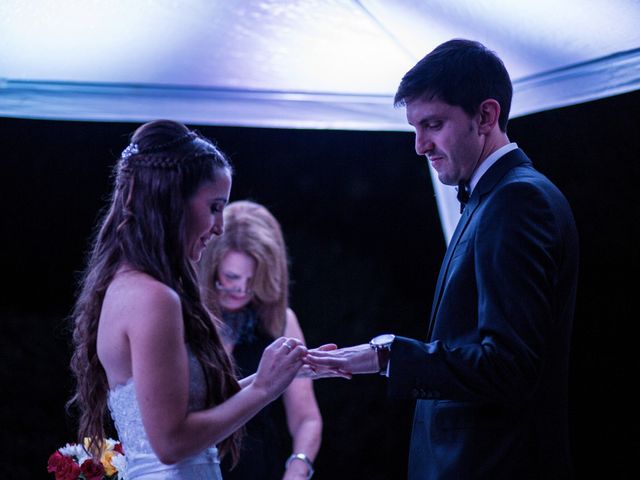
142 462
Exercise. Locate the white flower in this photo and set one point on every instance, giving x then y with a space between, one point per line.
76 451
110 443
120 463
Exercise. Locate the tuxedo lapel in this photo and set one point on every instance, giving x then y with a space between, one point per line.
485 185
444 269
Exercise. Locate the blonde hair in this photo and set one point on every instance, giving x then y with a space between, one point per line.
251 229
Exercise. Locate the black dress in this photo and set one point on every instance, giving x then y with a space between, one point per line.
266 444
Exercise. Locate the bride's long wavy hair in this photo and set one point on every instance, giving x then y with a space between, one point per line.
144 228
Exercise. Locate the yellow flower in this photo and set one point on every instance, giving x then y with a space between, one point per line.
106 462
107 454
87 441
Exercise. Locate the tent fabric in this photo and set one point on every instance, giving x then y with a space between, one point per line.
314 64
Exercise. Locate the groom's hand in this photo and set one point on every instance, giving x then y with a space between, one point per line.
354 360
321 371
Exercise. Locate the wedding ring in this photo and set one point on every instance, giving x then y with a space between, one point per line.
289 347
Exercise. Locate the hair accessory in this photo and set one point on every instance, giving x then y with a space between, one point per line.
132 149
164 157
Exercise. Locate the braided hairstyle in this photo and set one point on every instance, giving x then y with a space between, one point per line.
144 228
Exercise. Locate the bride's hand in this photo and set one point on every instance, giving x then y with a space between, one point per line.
279 365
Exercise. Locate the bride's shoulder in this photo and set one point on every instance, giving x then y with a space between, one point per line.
140 286
140 293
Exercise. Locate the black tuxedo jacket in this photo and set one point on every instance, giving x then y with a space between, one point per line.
491 380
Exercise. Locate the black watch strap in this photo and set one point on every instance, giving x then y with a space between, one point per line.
383 359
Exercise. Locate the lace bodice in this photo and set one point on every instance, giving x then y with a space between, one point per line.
141 460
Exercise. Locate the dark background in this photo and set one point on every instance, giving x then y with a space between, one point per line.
365 244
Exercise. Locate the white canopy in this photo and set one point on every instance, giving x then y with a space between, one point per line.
326 64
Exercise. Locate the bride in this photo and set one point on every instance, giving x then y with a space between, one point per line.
144 345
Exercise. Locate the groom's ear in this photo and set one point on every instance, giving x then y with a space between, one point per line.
489 113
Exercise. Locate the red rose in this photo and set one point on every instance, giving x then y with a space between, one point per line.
55 461
118 448
63 467
92 470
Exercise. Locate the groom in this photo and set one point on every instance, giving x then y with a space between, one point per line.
491 375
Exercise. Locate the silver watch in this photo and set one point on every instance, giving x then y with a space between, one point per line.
382 346
382 341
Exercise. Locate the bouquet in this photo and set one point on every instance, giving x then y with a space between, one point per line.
73 462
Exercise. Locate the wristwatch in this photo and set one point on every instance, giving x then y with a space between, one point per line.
382 345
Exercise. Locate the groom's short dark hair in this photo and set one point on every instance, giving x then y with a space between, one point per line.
459 72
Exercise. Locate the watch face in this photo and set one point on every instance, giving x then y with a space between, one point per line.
384 339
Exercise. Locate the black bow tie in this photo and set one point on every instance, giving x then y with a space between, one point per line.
463 194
